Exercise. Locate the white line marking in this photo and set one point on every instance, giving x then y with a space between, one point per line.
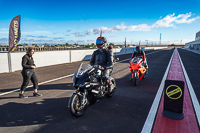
152 113
56 79
192 93
59 78
11 91
38 84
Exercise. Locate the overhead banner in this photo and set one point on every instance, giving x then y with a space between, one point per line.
14 33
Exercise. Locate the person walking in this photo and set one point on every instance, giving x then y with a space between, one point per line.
28 73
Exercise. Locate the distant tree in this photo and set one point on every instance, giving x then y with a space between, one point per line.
66 44
112 44
93 45
19 45
87 46
172 44
82 46
60 45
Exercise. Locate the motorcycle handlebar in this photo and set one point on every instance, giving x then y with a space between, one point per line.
97 66
100 67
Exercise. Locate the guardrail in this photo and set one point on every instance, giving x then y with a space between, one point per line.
10 62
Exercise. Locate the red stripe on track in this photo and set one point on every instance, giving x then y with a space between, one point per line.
189 123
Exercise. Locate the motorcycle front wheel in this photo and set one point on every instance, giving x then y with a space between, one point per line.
135 80
75 107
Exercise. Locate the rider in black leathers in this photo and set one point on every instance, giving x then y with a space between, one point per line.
102 57
140 53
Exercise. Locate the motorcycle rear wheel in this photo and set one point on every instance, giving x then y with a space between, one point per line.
75 105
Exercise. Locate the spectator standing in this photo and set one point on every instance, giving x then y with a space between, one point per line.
28 73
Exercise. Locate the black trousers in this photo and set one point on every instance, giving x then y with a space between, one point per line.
27 76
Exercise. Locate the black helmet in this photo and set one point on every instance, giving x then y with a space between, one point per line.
138 49
101 41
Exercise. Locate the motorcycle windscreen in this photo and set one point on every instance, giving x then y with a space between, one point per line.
135 60
84 67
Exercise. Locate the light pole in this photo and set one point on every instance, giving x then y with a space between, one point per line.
160 38
147 41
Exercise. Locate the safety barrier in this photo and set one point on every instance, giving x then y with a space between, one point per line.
12 62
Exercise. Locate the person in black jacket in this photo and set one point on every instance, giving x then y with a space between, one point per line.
140 53
102 57
28 73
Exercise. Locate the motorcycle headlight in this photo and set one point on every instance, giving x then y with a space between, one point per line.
79 74
81 85
86 85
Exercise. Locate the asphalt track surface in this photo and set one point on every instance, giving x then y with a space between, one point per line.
191 62
126 111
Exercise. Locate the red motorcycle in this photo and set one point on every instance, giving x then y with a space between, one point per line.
138 71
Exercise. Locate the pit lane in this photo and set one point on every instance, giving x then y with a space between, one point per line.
126 111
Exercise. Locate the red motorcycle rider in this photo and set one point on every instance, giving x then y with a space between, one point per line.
141 54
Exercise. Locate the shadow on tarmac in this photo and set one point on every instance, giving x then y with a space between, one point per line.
50 111
66 86
128 106
20 114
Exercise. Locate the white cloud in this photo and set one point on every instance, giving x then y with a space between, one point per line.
106 29
142 27
78 34
168 21
77 41
165 22
184 18
172 20
4 29
42 32
26 32
35 32
91 40
120 27
4 32
4 39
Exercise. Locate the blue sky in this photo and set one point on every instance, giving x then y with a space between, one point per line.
78 21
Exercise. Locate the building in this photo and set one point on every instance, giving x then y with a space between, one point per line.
194 44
